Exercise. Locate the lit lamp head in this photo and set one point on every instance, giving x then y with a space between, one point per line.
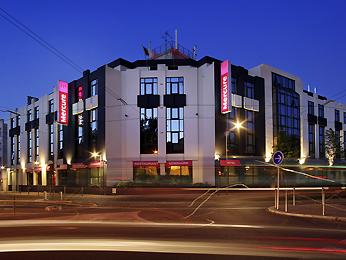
238 125
2 167
94 154
155 151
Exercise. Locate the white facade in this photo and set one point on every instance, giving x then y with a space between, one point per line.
123 121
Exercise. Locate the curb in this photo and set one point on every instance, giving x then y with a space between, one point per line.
308 216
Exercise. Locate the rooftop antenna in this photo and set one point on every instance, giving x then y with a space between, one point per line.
176 39
315 90
194 51
308 87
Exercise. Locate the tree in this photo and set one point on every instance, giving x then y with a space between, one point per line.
333 146
289 145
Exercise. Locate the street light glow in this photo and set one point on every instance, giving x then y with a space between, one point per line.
94 154
238 125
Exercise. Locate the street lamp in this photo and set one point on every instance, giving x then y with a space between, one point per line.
95 155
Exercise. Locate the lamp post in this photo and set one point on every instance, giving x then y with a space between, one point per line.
99 155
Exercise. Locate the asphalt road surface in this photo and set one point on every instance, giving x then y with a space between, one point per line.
179 226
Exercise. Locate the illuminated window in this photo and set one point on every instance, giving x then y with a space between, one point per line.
29 115
51 106
36 112
250 131
311 140
94 87
80 128
29 146
51 141
148 86
321 138
174 85
175 130
37 144
18 149
60 136
12 150
93 122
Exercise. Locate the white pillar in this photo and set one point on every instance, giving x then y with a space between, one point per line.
44 175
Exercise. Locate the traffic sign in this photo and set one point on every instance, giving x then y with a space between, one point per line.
278 157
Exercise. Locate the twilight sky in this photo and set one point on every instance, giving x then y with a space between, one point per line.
303 37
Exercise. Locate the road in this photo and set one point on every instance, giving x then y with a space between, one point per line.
179 225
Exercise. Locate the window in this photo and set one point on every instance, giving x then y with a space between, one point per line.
286 112
12 123
18 120
51 140
29 115
311 108
311 131
250 132
94 87
337 115
30 146
321 139
51 106
175 85
60 137
344 117
18 149
36 112
283 82
148 130
249 90
148 86
338 142
80 123
175 130
234 85
93 122
12 150
232 135
37 144
344 145
320 111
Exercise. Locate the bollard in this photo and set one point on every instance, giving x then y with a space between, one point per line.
60 195
275 198
294 196
286 200
323 203
45 195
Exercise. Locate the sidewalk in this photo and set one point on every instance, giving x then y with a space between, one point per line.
335 210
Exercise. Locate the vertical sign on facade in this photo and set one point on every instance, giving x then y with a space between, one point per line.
225 87
63 102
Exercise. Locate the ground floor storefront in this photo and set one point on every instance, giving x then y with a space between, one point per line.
253 173
171 172
178 173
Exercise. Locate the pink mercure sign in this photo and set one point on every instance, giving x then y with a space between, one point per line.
63 102
225 90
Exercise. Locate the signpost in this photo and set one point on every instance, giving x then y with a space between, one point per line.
278 157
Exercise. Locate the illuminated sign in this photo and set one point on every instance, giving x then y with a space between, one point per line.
225 89
63 102
229 162
137 164
178 163
80 93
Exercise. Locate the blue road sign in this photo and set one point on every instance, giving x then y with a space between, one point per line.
278 157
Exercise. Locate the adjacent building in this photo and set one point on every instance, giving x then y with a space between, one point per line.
168 120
